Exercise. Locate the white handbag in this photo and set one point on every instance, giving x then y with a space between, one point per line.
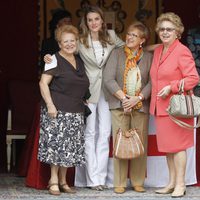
184 106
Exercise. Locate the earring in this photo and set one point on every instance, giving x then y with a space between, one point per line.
140 45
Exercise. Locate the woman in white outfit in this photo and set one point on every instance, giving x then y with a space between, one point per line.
96 44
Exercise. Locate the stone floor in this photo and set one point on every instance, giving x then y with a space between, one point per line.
12 187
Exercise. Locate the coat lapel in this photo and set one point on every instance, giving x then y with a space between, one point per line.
170 50
88 53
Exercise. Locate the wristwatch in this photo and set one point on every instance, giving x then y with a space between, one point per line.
140 98
123 98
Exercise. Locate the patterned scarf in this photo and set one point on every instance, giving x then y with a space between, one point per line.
132 76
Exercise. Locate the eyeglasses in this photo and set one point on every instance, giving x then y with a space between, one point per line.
132 35
162 29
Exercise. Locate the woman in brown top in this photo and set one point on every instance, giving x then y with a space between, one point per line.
126 77
63 88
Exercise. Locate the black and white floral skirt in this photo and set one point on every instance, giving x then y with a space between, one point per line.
62 139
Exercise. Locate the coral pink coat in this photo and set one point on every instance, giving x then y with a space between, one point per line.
175 65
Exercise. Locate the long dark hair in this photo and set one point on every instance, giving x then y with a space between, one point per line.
56 17
104 36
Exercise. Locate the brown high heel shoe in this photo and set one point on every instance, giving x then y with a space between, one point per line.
66 189
179 191
53 192
165 190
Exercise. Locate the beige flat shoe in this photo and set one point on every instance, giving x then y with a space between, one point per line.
66 189
165 190
178 192
119 190
139 189
53 192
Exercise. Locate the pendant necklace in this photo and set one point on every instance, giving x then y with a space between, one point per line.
102 54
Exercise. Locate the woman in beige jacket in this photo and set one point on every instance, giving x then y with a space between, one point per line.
126 78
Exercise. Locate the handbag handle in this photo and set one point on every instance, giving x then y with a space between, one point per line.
134 127
181 88
184 124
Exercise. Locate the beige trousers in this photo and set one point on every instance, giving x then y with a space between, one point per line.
137 168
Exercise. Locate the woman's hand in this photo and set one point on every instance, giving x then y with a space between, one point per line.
86 102
130 102
164 92
52 111
47 58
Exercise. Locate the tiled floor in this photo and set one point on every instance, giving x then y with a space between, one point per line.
12 187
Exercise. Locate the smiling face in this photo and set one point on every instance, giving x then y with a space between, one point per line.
167 32
68 43
94 22
134 39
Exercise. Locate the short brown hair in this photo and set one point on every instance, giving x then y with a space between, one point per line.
174 19
143 29
66 29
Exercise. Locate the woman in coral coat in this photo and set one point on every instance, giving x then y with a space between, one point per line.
172 62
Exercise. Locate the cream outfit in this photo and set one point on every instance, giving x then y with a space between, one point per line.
98 125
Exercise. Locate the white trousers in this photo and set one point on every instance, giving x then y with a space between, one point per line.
97 136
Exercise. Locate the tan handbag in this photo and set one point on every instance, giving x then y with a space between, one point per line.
128 144
184 106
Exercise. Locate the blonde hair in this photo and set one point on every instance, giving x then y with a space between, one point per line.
66 29
104 36
174 19
143 29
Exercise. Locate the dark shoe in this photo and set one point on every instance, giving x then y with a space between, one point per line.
66 189
178 192
119 190
165 190
53 192
139 189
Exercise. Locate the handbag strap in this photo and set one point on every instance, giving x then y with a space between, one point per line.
184 124
181 86
135 128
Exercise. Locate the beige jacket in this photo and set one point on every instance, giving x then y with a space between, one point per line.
93 70
113 78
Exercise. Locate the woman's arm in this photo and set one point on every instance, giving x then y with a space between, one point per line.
151 47
188 69
47 58
110 72
45 92
146 90
117 41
